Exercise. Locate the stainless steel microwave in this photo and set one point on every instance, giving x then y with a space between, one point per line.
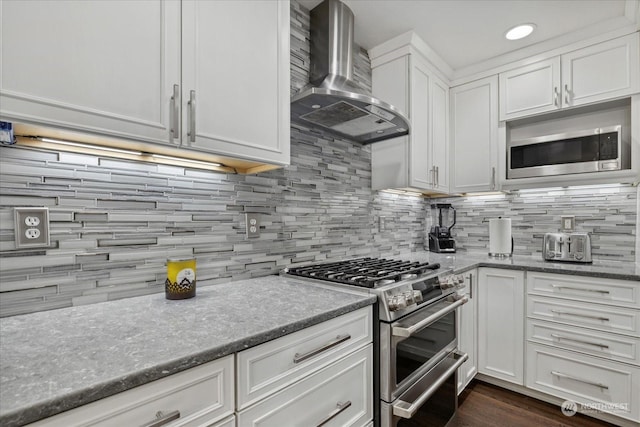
592 150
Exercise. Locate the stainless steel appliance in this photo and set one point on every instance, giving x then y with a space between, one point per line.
333 101
440 239
416 341
593 150
571 247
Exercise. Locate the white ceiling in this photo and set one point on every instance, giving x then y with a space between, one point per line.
467 32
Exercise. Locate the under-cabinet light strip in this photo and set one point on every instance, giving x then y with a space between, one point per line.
93 147
141 154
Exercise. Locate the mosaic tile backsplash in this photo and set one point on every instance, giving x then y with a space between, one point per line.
114 223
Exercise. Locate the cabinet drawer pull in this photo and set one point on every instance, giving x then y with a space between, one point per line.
470 286
297 358
569 377
572 288
174 113
586 316
339 408
595 344
162 419
437 169
192 116
555 95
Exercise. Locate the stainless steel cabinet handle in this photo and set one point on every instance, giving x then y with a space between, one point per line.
569 377
437 175
586 316
162 419
493 178
407 410
595 344
555 95
174 113
192 116
567 92
432 172
600 291
297 358
400 331
340 407
470 286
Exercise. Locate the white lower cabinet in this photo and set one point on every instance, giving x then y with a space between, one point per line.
468 332
607 386
337 395
583 339
200 396
501 324
274 365
323 373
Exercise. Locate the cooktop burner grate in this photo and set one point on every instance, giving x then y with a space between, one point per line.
364 272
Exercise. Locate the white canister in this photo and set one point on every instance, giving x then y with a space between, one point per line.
500 241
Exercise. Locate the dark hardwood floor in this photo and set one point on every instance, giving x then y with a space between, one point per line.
483 404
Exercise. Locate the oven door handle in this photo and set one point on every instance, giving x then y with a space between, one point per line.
407 410
401 331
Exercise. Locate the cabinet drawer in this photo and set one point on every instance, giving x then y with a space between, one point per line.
611 386
272 366
604 318
203 394
610 346
340 394
594 289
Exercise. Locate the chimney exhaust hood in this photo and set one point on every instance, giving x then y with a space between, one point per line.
332 101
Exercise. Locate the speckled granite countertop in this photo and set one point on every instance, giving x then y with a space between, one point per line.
56 360
468 260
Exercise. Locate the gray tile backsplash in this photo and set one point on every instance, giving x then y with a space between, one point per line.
114 222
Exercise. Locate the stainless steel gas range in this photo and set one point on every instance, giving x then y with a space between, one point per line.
416 333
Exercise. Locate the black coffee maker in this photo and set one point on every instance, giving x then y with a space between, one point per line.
440 239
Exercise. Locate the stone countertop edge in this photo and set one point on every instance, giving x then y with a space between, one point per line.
461 262
35 411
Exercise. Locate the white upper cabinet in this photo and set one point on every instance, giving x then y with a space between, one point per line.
600 72
531 89
211 76
596 73
95 66
474 136
418 161
235 78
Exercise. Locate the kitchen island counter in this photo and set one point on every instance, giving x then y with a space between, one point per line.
57 360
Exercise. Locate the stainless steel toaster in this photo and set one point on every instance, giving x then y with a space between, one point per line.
572 247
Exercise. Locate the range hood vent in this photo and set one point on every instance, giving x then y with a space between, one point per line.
332 101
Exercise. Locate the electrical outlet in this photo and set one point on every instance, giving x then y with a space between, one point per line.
568 222
253 225
32 227
382 223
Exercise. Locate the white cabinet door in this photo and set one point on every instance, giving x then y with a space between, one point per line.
603 71
96 66
235 78
440 134
501 324
418 161
530 89
419 148
468 331
474 136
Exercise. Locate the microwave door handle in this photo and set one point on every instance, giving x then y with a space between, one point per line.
407 410
402 331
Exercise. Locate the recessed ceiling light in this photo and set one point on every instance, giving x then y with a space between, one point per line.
520 31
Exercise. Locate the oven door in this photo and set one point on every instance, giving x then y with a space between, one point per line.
434 397
411 346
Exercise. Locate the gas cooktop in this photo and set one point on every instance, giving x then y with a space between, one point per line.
365 272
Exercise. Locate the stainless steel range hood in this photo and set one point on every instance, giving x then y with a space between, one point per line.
332 101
